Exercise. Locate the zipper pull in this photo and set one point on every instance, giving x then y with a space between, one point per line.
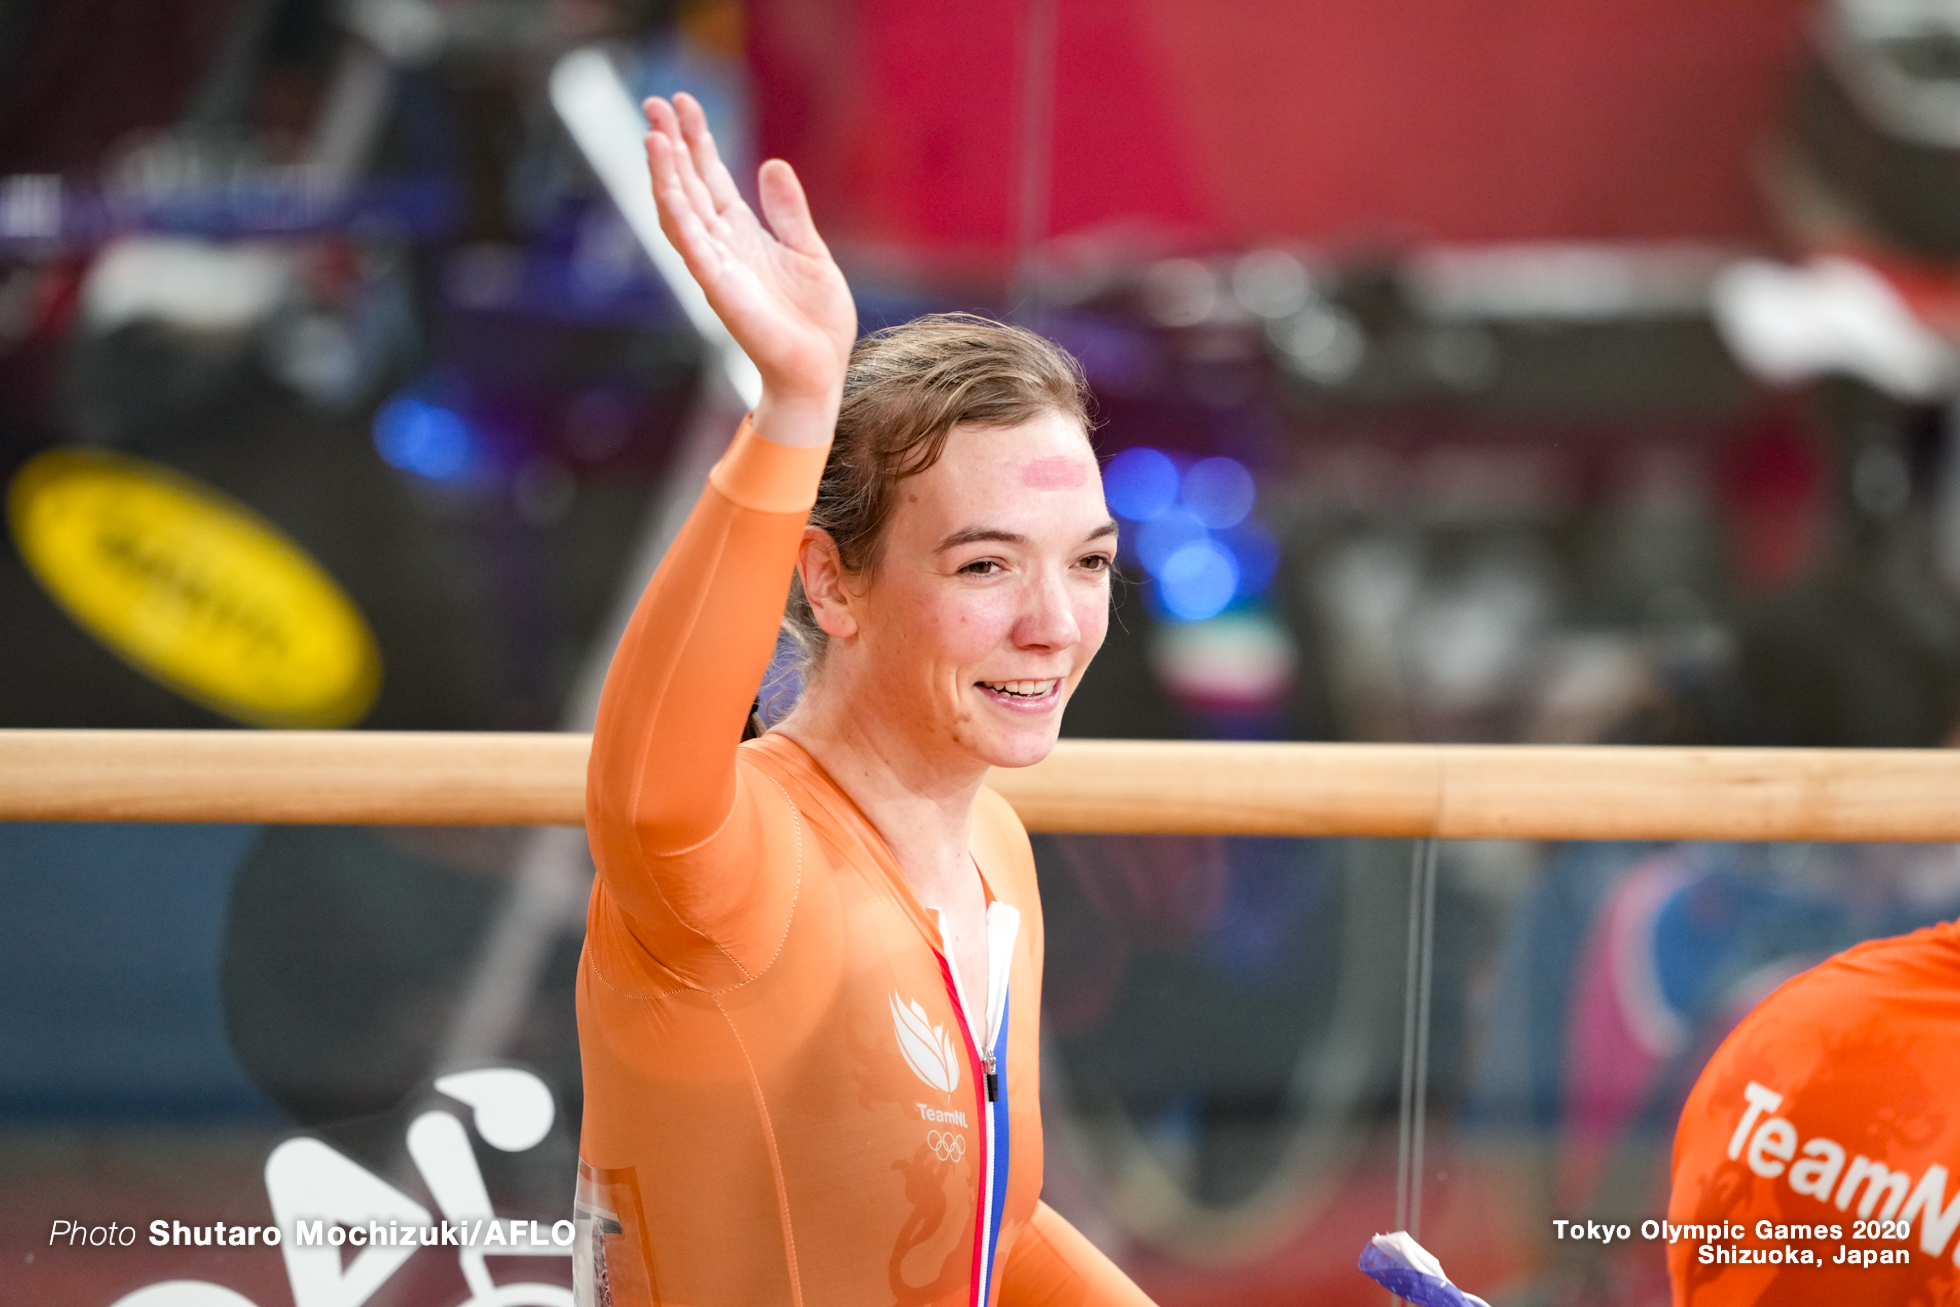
993 1081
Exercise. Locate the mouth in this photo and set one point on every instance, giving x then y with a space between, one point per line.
1022 694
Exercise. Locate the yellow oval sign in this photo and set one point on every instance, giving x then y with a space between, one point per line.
192 588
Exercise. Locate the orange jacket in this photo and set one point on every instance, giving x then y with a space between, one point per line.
1829 1116
786 1100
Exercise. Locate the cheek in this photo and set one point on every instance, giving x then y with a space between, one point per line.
933 626
1092 619
966 626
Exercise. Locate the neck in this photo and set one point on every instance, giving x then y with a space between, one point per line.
918 796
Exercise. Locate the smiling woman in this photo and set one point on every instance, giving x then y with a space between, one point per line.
906 389
978 590
809 1001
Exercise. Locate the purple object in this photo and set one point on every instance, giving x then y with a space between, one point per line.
1402 1266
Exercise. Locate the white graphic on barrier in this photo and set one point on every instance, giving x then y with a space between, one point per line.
315 1191
927 1048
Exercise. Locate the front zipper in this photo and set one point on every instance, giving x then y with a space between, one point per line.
983 1032
1000 954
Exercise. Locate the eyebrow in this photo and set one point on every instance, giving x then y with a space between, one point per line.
979 534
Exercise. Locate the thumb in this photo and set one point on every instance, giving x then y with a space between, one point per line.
788 209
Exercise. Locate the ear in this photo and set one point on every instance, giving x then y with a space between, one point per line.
824 584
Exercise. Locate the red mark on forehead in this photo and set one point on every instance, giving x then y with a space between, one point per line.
1057 473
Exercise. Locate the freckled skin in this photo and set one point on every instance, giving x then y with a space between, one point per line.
931 625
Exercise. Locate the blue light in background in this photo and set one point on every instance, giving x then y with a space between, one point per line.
1198 580
1257 554
1140 484
1218 491
424 438
1164 535
1196 536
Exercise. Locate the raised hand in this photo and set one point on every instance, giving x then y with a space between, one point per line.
778 290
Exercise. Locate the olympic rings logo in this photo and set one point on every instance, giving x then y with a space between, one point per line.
946 1145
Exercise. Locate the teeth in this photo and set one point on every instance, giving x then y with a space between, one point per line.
1021 689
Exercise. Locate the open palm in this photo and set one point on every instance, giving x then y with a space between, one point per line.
776 288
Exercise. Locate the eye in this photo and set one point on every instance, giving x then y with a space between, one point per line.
981 567
1096 562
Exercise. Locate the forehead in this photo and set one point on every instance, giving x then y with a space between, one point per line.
1047 452
1031 478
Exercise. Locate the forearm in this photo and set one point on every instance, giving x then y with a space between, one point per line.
664 793
662 780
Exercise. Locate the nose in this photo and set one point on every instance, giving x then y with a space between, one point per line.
1048 620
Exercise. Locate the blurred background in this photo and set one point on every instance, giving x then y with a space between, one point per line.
1508 371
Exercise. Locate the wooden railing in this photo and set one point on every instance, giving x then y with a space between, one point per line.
1140 787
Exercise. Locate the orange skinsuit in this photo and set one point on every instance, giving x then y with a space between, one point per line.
786 1099
1836 1103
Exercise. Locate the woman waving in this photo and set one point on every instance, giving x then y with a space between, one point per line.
810 996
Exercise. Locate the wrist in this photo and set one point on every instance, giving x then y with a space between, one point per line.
801 421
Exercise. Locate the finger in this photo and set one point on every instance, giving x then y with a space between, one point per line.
669 196
701 143
663 121
679 218
662 114
788 209
662 168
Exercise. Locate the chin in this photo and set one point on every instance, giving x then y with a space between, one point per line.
1022 748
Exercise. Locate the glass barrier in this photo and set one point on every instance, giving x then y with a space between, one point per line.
1259 1052
1265 1051
191 1011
